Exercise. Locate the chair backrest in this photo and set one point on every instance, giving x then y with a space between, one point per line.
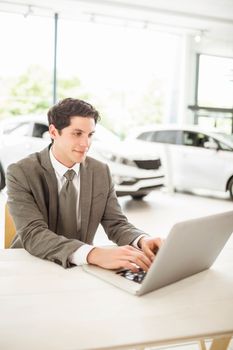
9 228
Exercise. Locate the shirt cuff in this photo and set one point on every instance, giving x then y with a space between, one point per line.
135 242
79 257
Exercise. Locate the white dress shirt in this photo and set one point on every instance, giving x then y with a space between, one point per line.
79 257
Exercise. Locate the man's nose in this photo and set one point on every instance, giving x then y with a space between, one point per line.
84 142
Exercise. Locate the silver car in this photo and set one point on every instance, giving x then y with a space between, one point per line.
136 171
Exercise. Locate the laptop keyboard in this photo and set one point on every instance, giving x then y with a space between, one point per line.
132 276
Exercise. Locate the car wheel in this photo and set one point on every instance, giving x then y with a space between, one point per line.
138 197
230 187
2 177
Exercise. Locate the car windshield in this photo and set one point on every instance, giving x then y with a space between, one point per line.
225 137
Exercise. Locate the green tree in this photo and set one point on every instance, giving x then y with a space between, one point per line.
31 92
138 107
149 109
71 87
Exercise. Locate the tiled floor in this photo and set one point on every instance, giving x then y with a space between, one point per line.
160 210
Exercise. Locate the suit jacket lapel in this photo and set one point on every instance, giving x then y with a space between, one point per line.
86 175
51 189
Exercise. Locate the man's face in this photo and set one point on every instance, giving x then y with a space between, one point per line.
71 145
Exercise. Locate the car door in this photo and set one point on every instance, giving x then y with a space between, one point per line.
200 166
167 143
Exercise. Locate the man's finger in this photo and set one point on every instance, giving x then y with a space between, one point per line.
140 259
148 252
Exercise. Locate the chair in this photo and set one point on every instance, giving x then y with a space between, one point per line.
9 228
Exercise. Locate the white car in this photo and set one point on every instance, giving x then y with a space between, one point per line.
195 158
136 171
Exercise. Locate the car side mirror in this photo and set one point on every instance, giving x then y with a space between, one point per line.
211 145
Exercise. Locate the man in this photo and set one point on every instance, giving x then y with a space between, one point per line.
59 196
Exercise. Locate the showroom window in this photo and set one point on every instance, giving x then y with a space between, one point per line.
126 71
215 86
213 105
26 64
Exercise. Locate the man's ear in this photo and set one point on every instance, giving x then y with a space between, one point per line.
53 131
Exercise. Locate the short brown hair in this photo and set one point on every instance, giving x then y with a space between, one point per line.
61 112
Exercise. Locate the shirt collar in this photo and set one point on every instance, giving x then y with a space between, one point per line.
61 169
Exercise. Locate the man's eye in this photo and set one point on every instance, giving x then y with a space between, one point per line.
77 134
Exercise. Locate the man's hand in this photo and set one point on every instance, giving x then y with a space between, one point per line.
150 246
120 257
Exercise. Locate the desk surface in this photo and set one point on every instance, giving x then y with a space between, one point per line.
43 306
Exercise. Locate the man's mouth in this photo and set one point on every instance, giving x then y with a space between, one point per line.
80 152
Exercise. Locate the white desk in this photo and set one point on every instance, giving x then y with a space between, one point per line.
45 307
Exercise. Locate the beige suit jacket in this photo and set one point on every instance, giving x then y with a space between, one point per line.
33 204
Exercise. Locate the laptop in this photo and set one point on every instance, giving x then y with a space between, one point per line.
191 247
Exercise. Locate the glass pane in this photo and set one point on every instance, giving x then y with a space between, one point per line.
189 138
16 129
201 139
166 136
125 72
39 130
224 147
145 136
215 87
26 64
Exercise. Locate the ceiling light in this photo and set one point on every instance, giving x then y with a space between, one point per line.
197 38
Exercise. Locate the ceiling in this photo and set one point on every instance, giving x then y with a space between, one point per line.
212 18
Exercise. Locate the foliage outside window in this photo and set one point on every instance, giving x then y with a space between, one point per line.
125 72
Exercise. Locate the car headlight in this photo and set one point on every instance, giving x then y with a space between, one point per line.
123 180
117 159
126 161
109 156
